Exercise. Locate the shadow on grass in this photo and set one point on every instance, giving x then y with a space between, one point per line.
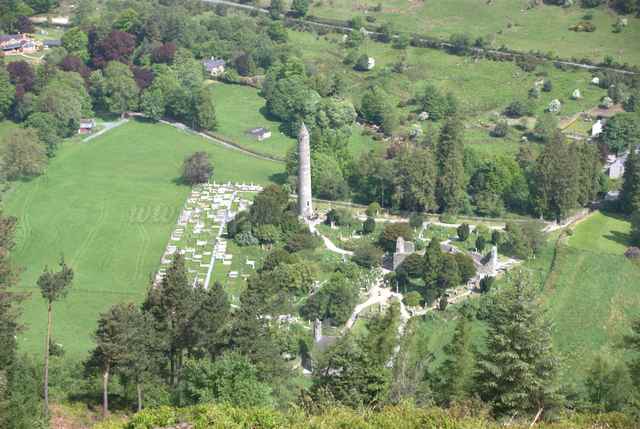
619 237
279 178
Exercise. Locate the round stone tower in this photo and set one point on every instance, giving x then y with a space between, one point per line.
305 208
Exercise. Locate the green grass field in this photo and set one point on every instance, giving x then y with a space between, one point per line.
109 207
240 108
501 22
481 86
602 233
590 296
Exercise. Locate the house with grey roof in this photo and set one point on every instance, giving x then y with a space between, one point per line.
259 133
214 67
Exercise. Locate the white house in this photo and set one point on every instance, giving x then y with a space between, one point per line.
596 129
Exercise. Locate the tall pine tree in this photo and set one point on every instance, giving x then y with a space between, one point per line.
172 305
456 373
555 180
519 369
630 195
415 180
450 157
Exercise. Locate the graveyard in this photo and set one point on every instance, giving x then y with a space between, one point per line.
109 207
200 236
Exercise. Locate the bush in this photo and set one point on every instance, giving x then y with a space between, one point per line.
391 233
302 240
518 108
246 238
486 283
589 4
463 232
466 266
368 226
547 86
373 209
584 26
367 255
501 129
448 218
339 217
416 220
412 299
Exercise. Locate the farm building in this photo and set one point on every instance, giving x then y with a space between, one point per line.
12 44
86 126
259 133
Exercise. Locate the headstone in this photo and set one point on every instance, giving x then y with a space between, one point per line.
400 245
494 261
317 330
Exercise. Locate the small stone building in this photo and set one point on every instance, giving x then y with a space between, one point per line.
403 249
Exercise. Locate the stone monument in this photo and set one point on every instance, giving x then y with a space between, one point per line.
493 262
305 208
317 331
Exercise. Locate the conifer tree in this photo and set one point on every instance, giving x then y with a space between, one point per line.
555 180
171 305
450 157
54 287
589 173
518 371
211 319
457 371
113 344
433 259
630 195
415 180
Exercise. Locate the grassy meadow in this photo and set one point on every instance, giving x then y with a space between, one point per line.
483 88
240 108
109 207
501 22
590 296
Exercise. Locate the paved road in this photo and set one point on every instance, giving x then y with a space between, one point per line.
183 127
108 126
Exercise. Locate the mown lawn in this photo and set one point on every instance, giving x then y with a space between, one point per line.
109 207
501 22
240 108
602 233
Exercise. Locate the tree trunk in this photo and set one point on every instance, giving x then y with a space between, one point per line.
105 392
172 370
46 361
139 390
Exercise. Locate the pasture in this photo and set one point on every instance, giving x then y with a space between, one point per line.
109 207
544 28
481 86
240 108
